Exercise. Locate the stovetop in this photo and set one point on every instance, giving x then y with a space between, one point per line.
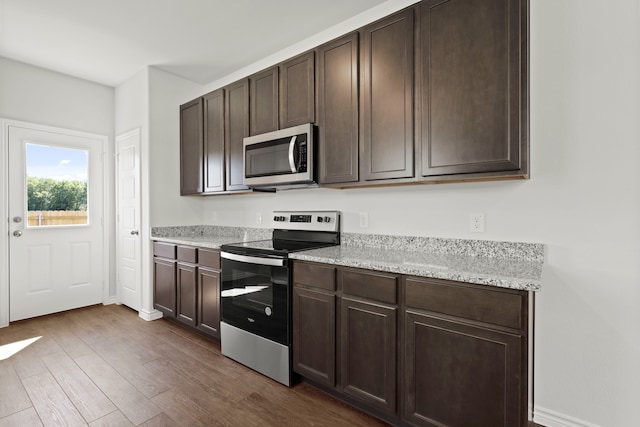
294 231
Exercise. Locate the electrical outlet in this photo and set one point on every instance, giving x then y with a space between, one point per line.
259 218
364 219
476 222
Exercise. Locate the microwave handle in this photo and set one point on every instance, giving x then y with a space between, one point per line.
292 160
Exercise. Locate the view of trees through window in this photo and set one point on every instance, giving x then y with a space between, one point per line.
45 194
56 185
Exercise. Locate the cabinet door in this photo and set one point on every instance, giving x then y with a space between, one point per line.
164 286
209 301
264 101
473 86
314 335
387 93
186 291
368 352
338 110
191 143
214 141
456 374
237 128
297 92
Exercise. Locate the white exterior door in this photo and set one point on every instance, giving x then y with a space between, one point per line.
56 259
128 218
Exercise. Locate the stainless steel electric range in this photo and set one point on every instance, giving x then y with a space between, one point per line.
256 290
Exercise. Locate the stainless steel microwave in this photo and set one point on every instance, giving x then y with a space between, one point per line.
280 159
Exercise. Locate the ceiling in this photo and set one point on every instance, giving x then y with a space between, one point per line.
108 41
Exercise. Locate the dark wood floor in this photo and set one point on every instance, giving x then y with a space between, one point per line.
104 366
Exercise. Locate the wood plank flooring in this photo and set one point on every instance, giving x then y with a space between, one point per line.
104 366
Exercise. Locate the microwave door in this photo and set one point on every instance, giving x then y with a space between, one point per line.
292 154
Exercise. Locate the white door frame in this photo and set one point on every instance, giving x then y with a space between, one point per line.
4 208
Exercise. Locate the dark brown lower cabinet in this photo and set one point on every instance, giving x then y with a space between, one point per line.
314 335
456 374
368 352
164 286
186 290
209 301
186 284
413 350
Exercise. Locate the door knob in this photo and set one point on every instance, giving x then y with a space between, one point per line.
134 232
17 233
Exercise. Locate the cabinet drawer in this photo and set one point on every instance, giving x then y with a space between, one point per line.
164 250
503 308
209 258
187 254
373 285
318 276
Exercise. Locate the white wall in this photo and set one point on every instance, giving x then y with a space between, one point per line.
132 112
41 96
583 201
166 93
150 101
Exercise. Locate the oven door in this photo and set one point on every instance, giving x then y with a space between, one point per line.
255 295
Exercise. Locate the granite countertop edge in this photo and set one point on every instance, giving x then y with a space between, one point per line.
479 278
446 259
209 242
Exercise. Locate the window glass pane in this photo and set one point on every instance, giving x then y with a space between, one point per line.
56 186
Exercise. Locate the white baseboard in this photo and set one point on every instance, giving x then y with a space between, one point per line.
111 300
150 315
549 418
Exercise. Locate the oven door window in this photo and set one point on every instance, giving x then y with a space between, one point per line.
255 298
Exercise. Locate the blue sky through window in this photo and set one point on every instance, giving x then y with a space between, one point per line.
59 163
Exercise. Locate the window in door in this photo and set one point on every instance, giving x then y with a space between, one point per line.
57 186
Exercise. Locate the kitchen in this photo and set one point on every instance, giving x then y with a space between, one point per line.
586 219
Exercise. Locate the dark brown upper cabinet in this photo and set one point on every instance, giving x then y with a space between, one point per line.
337 97
214 162
191 148
473 94
436 92
386 66
264 101
237 128
297 91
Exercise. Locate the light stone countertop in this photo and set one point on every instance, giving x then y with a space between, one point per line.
206 236
206 241
500 272
513 265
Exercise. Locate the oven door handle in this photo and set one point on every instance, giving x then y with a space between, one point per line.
276 262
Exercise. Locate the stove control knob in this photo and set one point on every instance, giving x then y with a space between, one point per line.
275 218
319 219
327 219
283 218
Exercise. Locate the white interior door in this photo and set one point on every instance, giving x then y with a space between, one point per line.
55 230
128 219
